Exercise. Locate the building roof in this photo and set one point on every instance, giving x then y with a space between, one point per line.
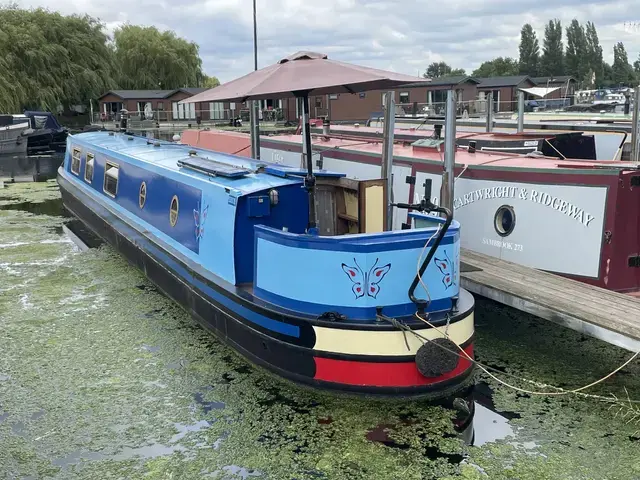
426 83
193 90
553 79
151 94
453 80
510 81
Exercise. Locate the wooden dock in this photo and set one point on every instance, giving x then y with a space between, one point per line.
610 316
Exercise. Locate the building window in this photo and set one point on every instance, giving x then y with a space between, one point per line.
110 185
333 96
142 197
160 105
88 168
173 211
318 102
76 160
404 97
216 110
362 94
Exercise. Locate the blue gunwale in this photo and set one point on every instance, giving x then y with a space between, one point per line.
362 242
194 273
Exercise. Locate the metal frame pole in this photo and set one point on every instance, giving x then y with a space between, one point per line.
520 112
254 104
387 154
448 176
489 112
635 126
310 179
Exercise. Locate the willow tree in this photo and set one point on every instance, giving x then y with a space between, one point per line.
48 60
150 59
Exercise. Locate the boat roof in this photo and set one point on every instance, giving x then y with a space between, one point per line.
421 131
241 174
404 151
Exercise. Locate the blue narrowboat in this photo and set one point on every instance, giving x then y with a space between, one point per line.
348 309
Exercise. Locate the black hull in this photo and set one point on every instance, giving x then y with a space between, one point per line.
292 362
42 141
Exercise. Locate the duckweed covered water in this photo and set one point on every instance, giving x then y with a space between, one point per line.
103 377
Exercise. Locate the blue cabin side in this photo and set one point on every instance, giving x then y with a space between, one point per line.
209 219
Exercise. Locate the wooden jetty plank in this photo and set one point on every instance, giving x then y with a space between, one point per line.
551 290
609 316
602 302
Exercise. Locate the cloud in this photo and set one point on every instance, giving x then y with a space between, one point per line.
394 35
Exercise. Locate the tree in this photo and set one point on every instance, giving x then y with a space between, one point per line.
552 61
49 60
441 69
607 76
151 59
594 55
498 67
529 63
577 55
622 72
209 82
636 68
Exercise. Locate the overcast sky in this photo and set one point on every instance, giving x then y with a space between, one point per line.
404 36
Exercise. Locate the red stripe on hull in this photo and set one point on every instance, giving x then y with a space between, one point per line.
380 374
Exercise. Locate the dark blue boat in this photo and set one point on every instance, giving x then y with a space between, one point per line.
225 237
45 133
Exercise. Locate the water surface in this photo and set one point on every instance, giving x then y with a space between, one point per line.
103 377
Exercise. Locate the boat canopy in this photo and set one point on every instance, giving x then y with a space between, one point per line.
540 91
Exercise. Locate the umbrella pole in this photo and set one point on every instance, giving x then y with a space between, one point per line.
310 179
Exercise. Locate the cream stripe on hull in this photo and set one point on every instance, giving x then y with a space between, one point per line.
391 343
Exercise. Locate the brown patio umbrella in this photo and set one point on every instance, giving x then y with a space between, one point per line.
300 75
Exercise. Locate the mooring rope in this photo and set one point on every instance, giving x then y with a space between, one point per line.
486 368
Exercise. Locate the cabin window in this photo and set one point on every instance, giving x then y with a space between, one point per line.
76 160
111 179
88 168
404 97
173 211
142 197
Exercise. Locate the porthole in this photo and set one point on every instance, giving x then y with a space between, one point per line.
142 197
505 220
173 211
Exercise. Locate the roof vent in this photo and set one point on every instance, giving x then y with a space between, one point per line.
111 134
156 144
192 153
130 138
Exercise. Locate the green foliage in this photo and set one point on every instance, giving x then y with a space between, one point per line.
48 59
594 55
151 59
498 67
529 52
442 69
636 68
209 82
622 72
552 62
577 55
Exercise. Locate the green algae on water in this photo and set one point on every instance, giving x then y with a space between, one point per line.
103 377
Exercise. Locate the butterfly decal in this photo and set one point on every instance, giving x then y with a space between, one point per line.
445 265
366 283
199 219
